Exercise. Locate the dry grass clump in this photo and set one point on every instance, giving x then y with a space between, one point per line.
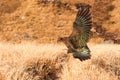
36 70
110 64
29 61
104 65
109 60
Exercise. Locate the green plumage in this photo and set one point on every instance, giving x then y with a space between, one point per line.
77 41
81 27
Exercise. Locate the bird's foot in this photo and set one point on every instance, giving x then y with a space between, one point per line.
68 51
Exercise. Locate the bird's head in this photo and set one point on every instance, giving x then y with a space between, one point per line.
82 54
82 5
62 39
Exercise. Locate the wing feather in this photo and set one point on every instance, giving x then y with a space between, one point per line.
81 28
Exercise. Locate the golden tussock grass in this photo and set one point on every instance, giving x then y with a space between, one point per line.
27 61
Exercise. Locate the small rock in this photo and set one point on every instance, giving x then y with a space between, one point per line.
60 25
26 36
16 34
93 30
23 17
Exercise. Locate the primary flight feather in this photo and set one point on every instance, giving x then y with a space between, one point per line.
77 41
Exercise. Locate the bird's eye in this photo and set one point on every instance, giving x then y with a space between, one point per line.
78 6
60 39
75 24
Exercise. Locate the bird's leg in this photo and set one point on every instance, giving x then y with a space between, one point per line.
69 51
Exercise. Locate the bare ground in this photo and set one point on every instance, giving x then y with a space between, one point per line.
43 21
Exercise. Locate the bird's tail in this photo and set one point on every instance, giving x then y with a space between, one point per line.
83 54
83 57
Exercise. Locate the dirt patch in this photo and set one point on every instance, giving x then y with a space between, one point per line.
9 6
43 21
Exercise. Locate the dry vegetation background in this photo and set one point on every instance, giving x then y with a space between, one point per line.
29 22
28 61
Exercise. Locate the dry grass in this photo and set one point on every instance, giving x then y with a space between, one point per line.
29 61
104 65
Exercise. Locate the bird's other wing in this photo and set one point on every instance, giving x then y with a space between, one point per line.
81 27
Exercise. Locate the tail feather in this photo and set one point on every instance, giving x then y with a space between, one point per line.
82 57
83 54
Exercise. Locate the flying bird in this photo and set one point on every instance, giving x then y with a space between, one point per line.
77 41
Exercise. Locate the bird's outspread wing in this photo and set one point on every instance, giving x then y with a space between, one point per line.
81 28
77 41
